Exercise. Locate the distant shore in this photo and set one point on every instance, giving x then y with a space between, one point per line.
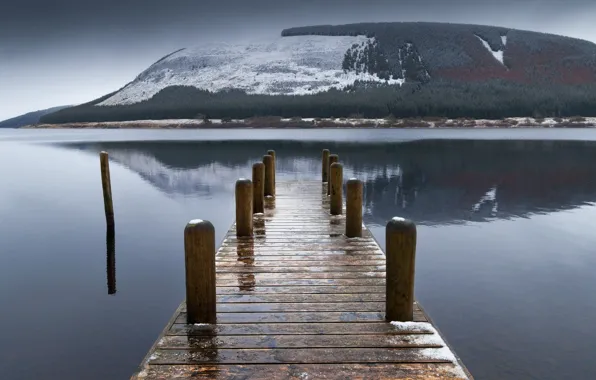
310 123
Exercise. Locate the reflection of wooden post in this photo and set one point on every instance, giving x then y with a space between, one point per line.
244 207
400 235
325 172
272 154
199 255
333 158
269 175
106 184
111 258
336 180
354 208
258 188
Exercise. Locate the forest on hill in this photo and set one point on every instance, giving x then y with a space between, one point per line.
447 72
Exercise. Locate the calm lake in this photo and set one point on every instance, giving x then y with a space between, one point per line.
506 243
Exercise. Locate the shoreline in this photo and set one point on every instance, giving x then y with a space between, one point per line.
329 123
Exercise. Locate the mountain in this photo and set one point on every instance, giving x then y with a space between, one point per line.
28 118
370 69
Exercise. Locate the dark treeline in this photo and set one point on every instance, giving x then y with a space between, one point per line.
492 100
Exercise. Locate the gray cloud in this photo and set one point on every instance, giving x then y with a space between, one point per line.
66 51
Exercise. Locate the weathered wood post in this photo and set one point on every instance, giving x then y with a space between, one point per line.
400 235
333 158
336 182
272 154
325 172
244 207
269 175
258 188
199 257
354 208
106 184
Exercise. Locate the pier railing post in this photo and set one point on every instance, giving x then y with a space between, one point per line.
333 158
354 208
400 235
106 184
272 154
325 170
244 207
336 181
268 160
258 188
199 257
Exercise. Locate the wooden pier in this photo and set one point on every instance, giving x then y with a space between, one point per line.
300 300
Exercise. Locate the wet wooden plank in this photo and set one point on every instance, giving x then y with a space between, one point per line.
331 328
306 275
310 355
294 298
303 306
301 290
301 269
299 341
410 371
264 280
302 258
301 317
224 264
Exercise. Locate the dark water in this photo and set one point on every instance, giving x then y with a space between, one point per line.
506 251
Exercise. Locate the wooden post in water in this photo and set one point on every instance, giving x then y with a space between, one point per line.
400 235
244 207
333 158
199 258
272 154
354 208
106 184
336 182
258 188
325 172
269 175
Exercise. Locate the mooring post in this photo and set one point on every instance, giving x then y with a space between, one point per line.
244 207
333 158
258 188
106 185
269 175
199 258
336 181
325 172
400 240
272 154
354 208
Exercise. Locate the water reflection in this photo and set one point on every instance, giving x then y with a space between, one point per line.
433 182
246 255
111 258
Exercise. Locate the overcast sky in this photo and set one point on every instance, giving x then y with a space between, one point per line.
62 52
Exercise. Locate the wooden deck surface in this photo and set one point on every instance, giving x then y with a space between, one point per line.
300 301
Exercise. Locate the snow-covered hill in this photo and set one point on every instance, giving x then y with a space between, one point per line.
299 65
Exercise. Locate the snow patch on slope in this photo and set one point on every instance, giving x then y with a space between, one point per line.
298 65
497 54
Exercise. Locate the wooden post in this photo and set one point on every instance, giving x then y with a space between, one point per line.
336 182
272 154
106 184
325 173
333 158
400 235
244 207
199 257
258 188
269 175
354 208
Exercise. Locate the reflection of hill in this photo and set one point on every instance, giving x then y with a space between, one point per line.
432 182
